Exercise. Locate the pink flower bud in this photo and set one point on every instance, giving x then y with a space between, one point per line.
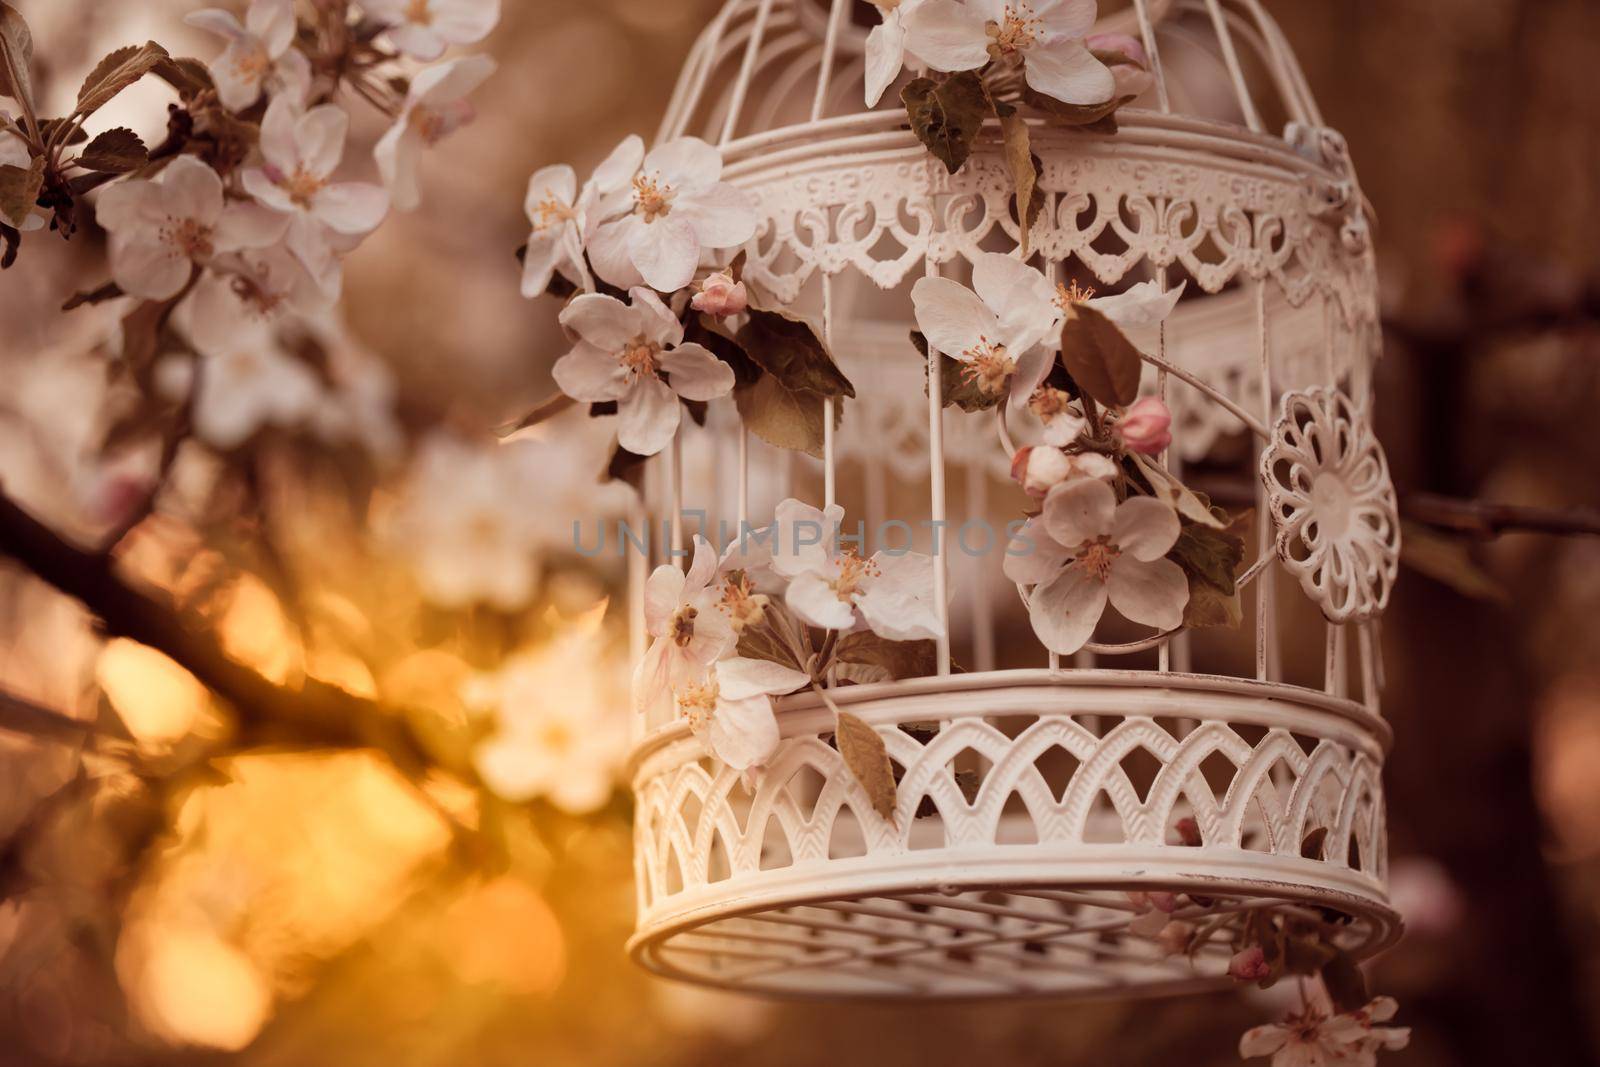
1249 965
1119 44
720 295
1146 426
1176 937
1188 832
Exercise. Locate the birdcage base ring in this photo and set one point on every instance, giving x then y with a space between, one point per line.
1037 811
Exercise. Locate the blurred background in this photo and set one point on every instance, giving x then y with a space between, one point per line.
206 890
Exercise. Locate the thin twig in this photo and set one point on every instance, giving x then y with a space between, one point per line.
546 410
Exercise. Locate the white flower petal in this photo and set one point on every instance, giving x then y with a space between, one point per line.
886 55
224 24
1079 511
744 733
652 687
235 74
665 252
557 183
685 163
1019 297
398 154
153 270
648 417
653 320
948 36
801 537
952 316
600 320
1033 367
319 138
1069 72
278 136
703 568
898 603
722 215
618 169
1263 1041
1145 528
696 374
352 207
1065 610
1033 556
590 374
1141 305
739 677
192 190
130 206
1068 18
464 21
245 225
1153 592
663 595
610 255
418 42
272 23
451 81
816 602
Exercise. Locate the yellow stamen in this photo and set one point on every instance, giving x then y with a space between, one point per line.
1046 403
1097 556
698 703
744 606
1018 30
190 237
1066 296
653 196
641 357
303 186
988 365
551 212
681 628
853 574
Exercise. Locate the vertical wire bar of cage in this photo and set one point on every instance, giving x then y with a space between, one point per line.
744 478
1334 673
982 611
1230 58
1052 659
1369 665
1280 55
746 69
936 502
1147 31
830 46
638 572
689 90
829 461
675 496
1265 591
1164 650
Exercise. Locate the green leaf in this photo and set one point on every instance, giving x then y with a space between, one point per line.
868 759
782 417
1210 559
1019 162
16 56
1346 985
1100 359
19 190
788 348
762 642
947 115
116 151
115 73
955 388
865 657
1448 561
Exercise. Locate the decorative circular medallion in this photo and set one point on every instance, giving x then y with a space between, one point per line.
1332 504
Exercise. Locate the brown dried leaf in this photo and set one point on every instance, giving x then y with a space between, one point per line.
868 759
1448 561
1346 985
16 55
789 348
1100 359
19 190
115 73
782 417
947 115
893 660
187 75
1019 162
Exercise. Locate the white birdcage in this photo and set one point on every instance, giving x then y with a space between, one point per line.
1035 795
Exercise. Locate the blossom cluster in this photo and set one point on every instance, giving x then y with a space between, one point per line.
784 580
252 246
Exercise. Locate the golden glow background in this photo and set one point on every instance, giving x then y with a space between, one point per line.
305 908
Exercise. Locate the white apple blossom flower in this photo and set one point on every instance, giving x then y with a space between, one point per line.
886 47
422 29
838 589
1145 304
1085 549
246 379
260 55
1038 469
555 211
689 632
435 106
160 229
677 207
730 709
466 525
1045 36
560 731
622 352
271 280
300 152
1317 1038
996 331
1061 421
